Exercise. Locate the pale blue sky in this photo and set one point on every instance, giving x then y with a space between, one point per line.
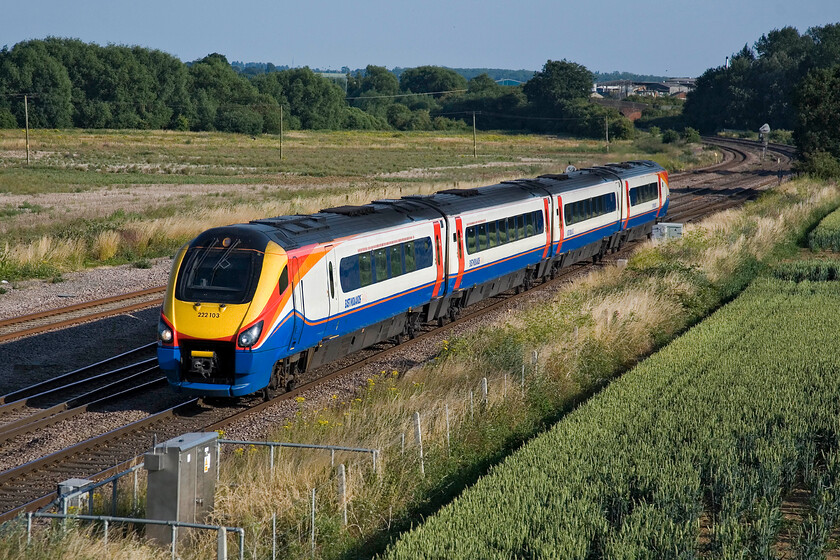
676 37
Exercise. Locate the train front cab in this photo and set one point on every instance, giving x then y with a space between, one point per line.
227 307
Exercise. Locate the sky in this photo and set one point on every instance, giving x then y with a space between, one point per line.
675 38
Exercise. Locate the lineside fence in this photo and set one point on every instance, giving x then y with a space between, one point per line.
423 432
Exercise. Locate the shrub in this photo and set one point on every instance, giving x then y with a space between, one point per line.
7 119
239 119
821 165
670 136
691 135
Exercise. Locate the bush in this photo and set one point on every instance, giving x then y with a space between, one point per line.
182 123
821 165
670 136
356 119
7 119
691 135
239 119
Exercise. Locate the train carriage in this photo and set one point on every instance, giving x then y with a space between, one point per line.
251 306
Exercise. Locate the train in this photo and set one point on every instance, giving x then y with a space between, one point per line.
250 307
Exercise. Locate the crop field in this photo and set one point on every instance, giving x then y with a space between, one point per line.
826 236
693 452
110 197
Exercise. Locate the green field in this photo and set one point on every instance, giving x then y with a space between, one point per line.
692 452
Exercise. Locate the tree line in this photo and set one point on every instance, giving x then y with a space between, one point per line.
786 79
84 85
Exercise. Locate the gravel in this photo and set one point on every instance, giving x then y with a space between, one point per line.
32 296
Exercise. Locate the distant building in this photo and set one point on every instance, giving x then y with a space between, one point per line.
509 82
619 89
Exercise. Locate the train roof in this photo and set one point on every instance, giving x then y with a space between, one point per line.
292 232
296 231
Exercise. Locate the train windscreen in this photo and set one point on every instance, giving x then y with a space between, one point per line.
219 274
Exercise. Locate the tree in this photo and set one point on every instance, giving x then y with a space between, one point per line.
817 101
314 101
215 84
483 84
557 83
29 68
431 79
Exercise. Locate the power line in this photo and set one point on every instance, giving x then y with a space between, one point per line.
406 94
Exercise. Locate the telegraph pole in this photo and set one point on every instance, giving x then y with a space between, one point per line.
26 115
475 154
281 132
607 131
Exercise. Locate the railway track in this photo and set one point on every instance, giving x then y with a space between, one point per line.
36 323
69 395
31 485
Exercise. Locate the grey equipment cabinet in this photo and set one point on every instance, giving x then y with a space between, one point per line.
181 482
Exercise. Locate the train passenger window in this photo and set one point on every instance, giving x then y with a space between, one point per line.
482 237
410 265
511 228
283 282
471 246
502 227
423 251
610 206
491 234
380 265
348 273
365 270
529 224
396 260
538 222
520 226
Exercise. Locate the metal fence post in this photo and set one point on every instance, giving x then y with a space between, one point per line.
312 534
174 539
484 390
105 538
419 437
274 536
114 498
28 528
448 446
134 495
342 491
221 544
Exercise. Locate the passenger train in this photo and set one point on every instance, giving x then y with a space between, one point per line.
251 306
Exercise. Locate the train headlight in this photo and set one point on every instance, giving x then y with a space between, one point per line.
249 337
165 334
